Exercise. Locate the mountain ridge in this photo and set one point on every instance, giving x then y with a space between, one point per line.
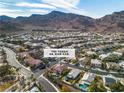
61 20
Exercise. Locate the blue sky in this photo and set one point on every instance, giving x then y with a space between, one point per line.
92 8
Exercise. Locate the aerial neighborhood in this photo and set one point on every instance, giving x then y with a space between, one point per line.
62 46
97 66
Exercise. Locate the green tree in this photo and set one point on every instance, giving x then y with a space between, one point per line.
117 87
97 85
112 58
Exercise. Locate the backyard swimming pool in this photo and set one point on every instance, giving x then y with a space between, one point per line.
84 86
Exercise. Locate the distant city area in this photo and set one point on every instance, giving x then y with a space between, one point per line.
97 67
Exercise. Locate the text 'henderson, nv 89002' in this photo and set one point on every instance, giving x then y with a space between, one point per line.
70 53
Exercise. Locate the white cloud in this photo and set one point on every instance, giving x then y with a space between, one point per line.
59 3
73 2
11 13
15 13
24 12
35 5
68 5
3 10
38 11
33 8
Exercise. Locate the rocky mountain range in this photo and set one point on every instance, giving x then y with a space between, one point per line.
60 20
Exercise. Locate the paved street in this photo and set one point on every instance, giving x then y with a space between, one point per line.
47 86
11 58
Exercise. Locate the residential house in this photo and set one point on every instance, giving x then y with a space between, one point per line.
122 81
23 54
118 53
121 64
88 77
33 45
1 44
84 82
34 62
112 66
52 46
34 89
28 43
82 61
96 63
36 45
103 56
108 80
91 53
73 74
59 68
